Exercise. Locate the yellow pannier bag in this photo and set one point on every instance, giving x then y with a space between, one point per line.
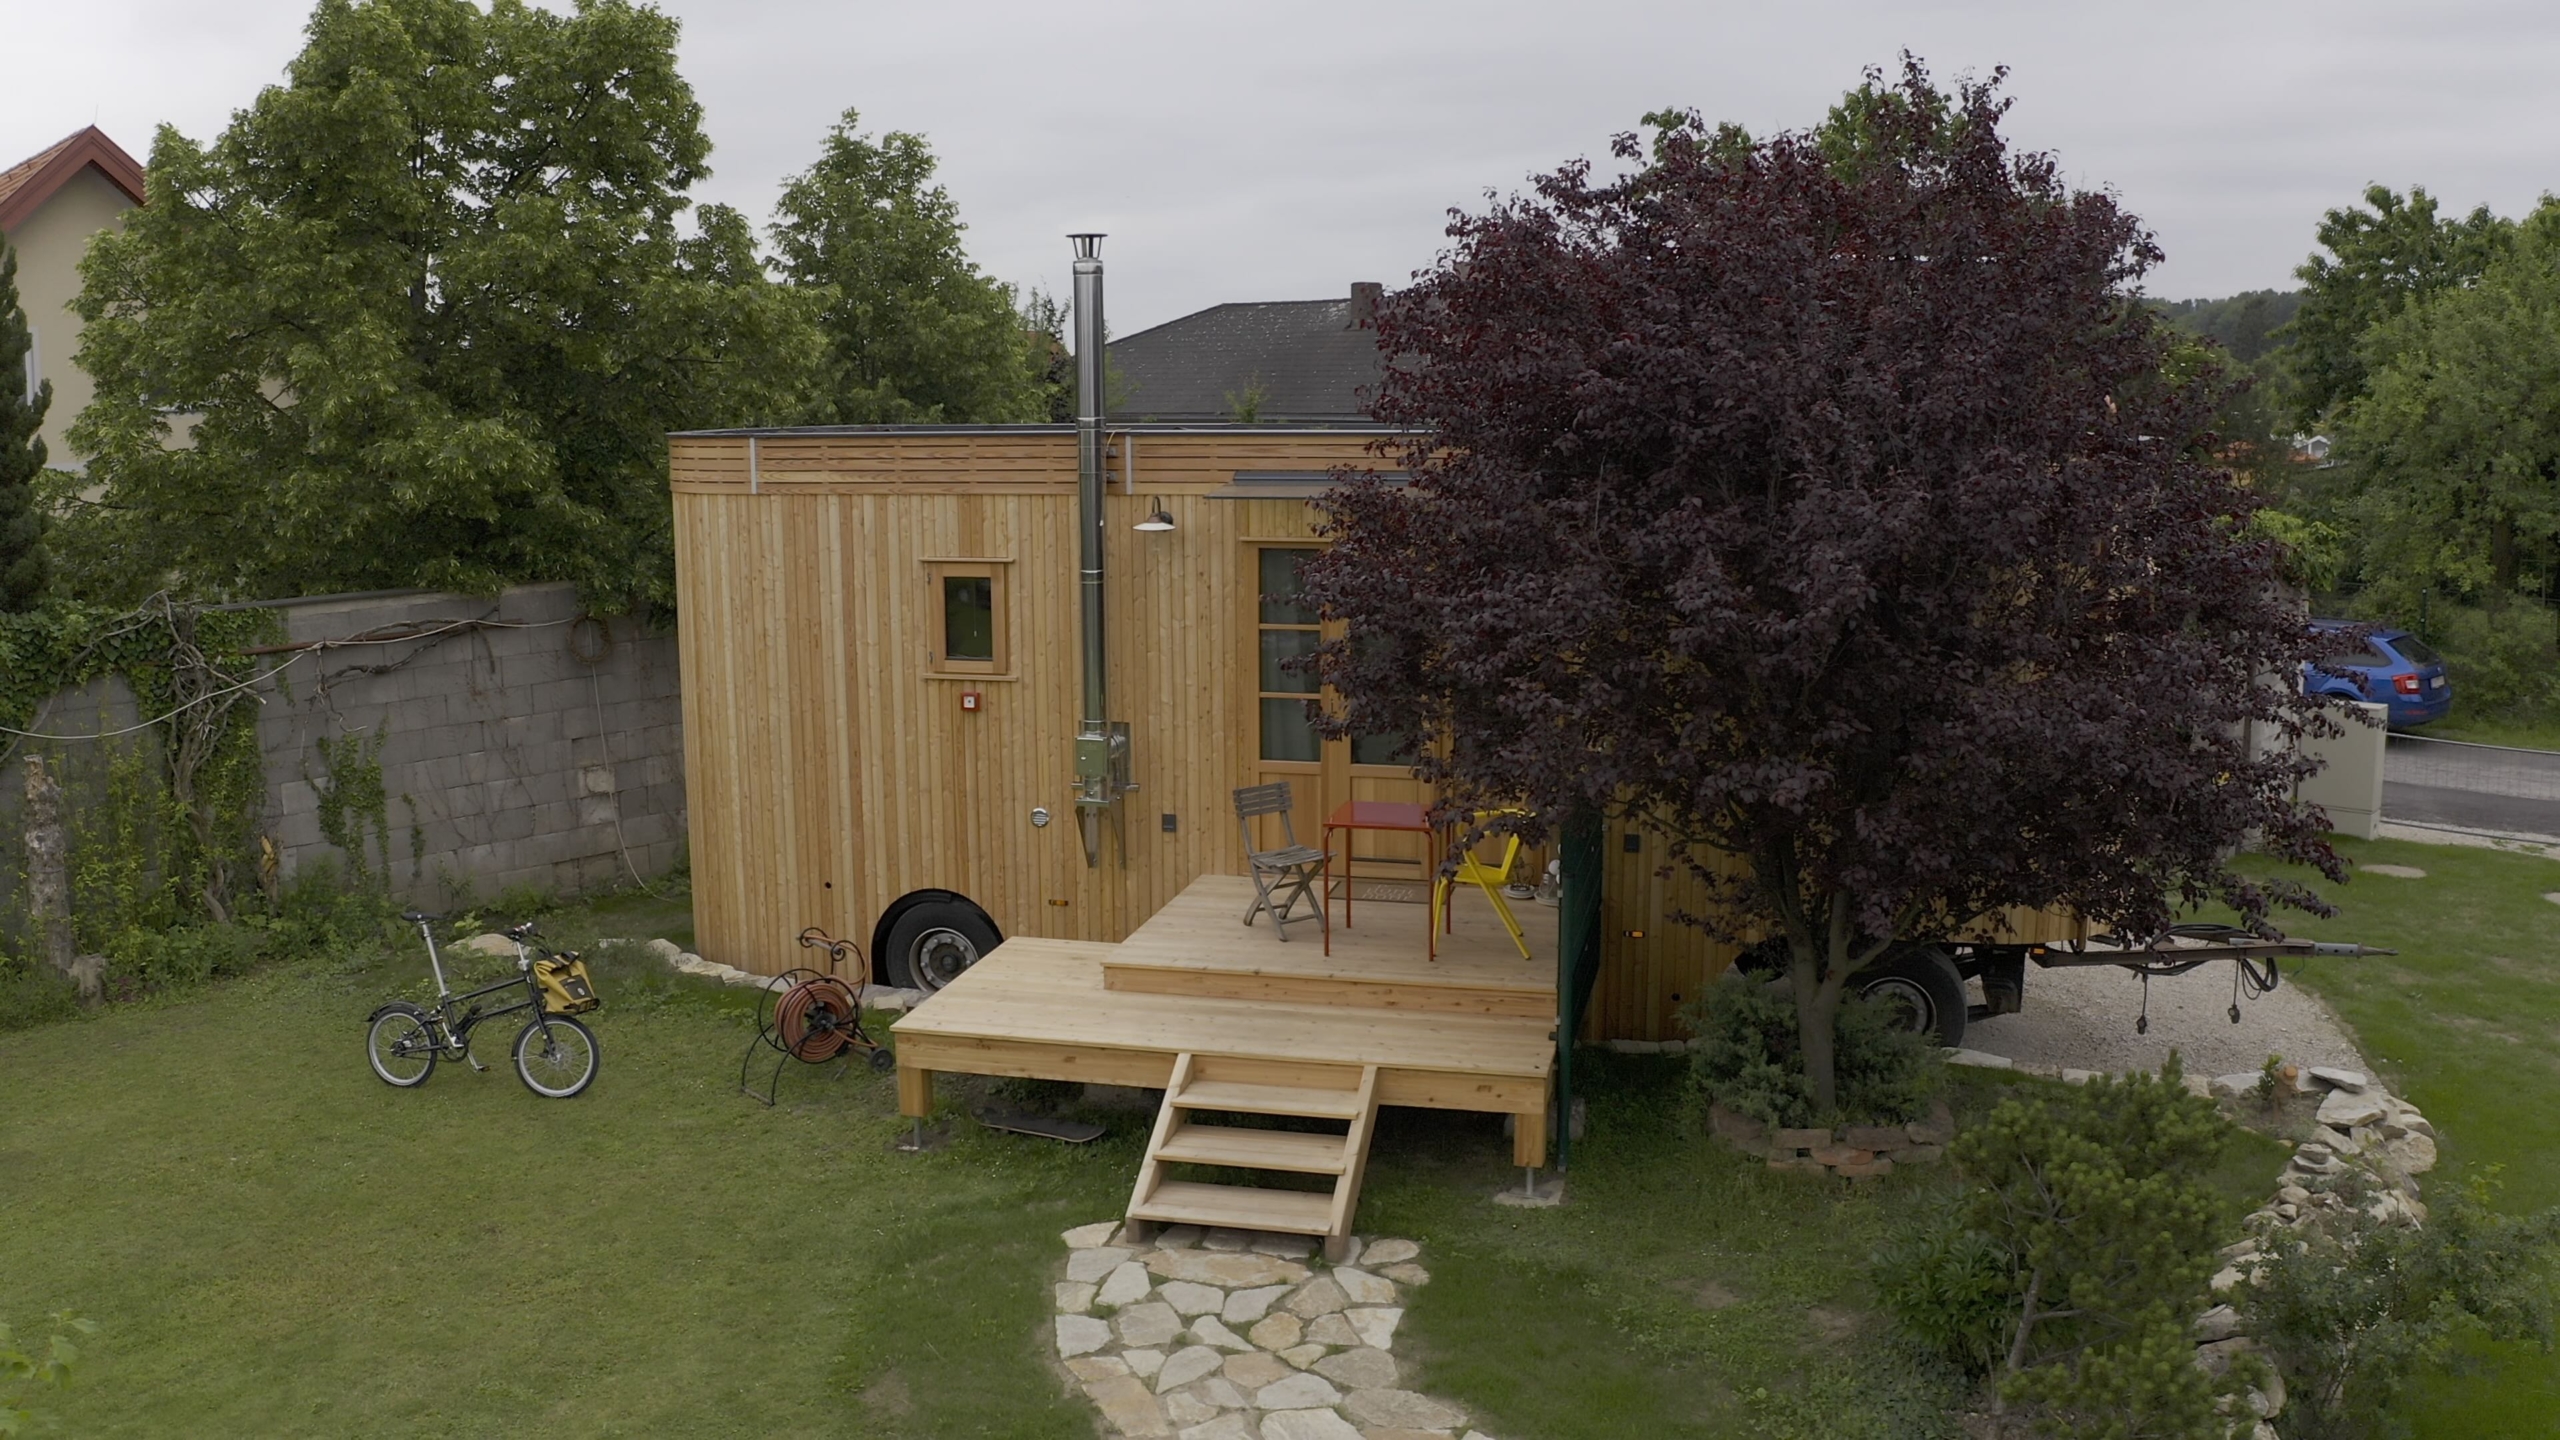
566 989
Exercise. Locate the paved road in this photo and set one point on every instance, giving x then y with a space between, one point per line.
2471 787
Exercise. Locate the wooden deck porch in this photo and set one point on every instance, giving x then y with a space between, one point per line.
1232 1019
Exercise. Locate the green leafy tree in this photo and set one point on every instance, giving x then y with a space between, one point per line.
914 332
24 568
422 316
2379 260
2245 325
2094 1204
2455 443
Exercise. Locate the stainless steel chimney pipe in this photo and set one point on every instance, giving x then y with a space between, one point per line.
1102 745
1089 471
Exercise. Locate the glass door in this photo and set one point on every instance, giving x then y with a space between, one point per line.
1322 774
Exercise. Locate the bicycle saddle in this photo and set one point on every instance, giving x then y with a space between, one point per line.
419 917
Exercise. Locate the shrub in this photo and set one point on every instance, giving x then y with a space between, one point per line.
2075 1257
144 961
2502 661
1947 1287
2358 1310
1746 1057
31 994
318 914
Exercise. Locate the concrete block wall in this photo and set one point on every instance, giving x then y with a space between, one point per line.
101 707
519 743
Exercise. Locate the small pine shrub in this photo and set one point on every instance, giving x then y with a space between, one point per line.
1745 1054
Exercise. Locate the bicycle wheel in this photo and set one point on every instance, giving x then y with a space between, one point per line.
560 1065
401 1049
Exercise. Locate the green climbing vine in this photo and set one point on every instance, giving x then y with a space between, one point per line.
184 791
353 804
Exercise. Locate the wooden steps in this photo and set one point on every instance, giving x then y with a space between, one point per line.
1241 1207
1236 1086
1293 1150
1239 1099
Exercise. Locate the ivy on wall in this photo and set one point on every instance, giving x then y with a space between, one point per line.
190 672
353 803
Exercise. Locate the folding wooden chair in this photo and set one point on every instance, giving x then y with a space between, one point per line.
1281 877
1488 878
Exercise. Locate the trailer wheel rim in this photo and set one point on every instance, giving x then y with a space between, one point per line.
938 957
1919 1010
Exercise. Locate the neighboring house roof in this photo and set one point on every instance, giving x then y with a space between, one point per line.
1272 361
26 185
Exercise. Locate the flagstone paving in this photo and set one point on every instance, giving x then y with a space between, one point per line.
1149 1332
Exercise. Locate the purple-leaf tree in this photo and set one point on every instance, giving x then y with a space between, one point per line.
1829 502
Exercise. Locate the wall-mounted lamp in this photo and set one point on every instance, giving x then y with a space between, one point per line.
1158 523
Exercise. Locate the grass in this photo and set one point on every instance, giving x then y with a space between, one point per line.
1685 1290
2464 1022
277 1244
2523 734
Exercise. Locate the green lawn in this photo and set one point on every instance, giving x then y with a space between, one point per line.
2465 1022
2523 734
277 1244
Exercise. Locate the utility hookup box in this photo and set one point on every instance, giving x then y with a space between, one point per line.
1103 757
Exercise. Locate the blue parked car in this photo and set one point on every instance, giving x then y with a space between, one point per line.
2391 667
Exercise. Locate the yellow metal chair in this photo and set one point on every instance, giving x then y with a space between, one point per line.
1488 878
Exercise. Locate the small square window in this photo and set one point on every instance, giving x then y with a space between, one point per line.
968 618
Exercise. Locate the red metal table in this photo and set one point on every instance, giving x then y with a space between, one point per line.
1370 815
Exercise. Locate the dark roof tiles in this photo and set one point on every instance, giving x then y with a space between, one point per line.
1277 360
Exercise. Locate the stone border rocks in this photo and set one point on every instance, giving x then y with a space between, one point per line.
885 998
1242 1335
2366 1142
1853 1152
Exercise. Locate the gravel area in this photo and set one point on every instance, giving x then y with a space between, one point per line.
2082 1018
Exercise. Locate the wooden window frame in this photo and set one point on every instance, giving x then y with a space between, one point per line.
994 571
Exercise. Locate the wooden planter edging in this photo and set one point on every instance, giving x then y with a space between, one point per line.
1854 1152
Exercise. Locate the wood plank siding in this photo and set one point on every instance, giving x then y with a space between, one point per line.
832 769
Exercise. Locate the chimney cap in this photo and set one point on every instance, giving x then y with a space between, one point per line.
1088 243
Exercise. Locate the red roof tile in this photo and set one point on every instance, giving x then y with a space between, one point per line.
32 181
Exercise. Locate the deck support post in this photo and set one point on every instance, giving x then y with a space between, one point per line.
1529 1139
915 1092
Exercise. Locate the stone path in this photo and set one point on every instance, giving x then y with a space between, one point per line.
1237 1335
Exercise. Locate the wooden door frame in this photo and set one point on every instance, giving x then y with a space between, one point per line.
1333 772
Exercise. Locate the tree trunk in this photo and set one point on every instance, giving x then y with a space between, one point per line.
2017 1360
49 882
1819 976
1816 1030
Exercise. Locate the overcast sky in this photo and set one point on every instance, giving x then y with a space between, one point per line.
1280 151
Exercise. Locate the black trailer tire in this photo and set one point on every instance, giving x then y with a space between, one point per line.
933 942
1924 980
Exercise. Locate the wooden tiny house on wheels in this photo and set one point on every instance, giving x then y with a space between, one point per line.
983 694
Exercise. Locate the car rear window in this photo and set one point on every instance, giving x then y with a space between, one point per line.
2415 651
